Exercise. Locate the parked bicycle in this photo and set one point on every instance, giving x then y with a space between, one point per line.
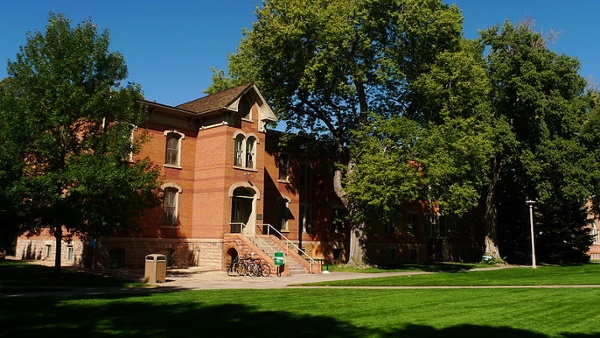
236 268
249 266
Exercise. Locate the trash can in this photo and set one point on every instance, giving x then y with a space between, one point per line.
156 269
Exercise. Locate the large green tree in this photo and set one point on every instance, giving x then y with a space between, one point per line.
440 154
544 99
327 65
69 122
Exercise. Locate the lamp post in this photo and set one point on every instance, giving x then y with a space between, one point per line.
530 203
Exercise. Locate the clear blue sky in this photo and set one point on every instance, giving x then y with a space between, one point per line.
170 46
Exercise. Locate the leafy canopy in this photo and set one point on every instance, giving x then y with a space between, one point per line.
69 121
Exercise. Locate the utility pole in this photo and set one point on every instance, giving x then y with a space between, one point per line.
531 203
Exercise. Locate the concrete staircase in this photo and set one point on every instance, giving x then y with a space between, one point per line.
269 247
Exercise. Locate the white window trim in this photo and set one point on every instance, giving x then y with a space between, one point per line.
176 202
166 133
244 149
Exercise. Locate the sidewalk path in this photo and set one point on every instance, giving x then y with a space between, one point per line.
195 279
204 280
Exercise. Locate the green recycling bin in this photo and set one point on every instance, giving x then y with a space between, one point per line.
156 269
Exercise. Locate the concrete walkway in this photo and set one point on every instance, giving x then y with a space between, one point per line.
197 279
203 280
190 279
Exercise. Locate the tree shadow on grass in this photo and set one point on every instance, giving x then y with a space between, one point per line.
432 267
188 316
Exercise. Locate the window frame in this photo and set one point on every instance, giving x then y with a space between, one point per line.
238 150
306 218
173 151
170 219
245 155
250 155
283 206
412 222
283 166
70 253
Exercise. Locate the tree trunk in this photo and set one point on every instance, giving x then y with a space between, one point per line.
490 221
57 255
356 254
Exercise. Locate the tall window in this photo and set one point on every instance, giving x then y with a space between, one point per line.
238 160
305 188
70 253
306 218
413 223
306 183
245 151
170 203
250 145
173 148
284 167
283 214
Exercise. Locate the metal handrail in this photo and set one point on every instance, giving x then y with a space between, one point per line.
287 242
242 226
265 242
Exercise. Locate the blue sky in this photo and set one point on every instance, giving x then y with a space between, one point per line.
170 46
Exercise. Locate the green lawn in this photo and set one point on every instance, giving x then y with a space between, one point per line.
587 274
325 312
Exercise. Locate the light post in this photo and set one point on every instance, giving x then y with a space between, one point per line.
530 203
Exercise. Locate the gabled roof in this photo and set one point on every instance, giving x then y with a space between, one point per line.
218 101
225 101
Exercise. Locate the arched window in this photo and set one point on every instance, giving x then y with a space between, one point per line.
244 151
173 148
284 167
239 151
170 204
250 155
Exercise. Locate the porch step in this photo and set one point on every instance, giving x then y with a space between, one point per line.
269 247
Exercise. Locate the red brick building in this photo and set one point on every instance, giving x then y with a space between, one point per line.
230 189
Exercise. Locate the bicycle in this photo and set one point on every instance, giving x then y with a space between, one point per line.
237 268
249 266
260 268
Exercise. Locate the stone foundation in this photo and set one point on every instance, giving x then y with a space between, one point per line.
44 248
126 252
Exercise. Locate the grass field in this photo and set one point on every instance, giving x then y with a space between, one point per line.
587 274
327 312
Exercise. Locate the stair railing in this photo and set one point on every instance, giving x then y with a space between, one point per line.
288 243
265 242
237 228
